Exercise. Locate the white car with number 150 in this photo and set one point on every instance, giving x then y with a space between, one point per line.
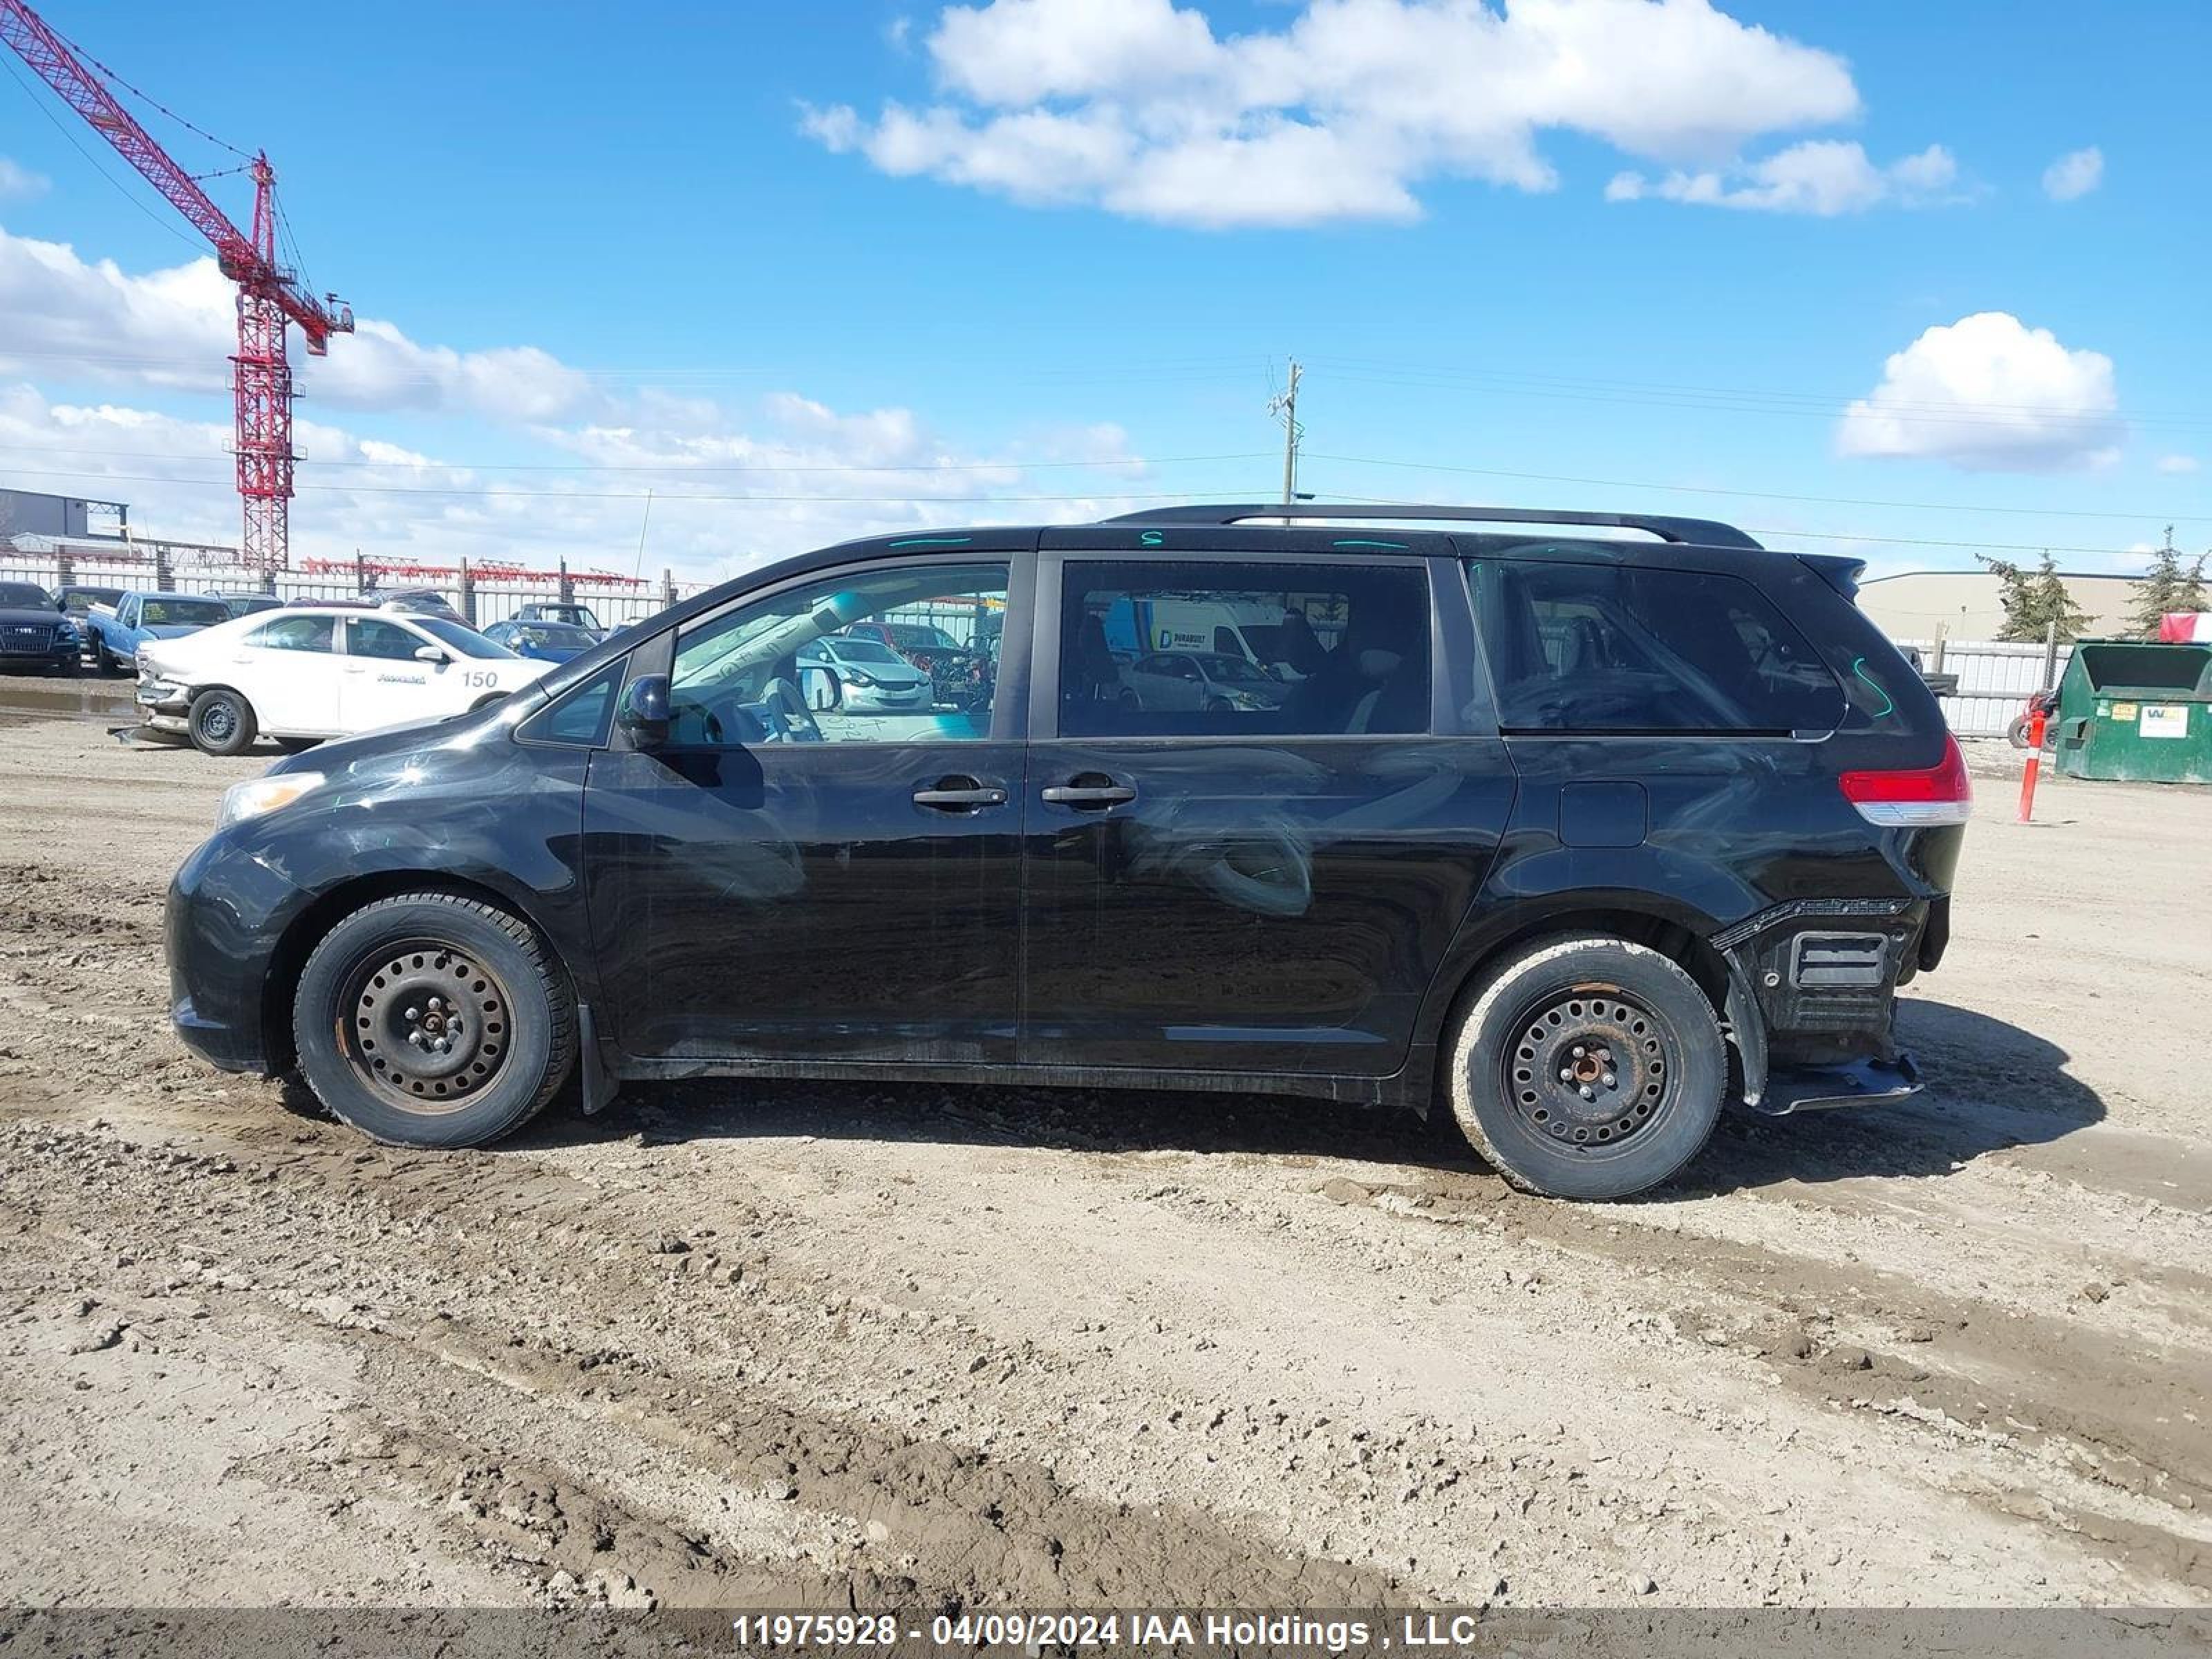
320 671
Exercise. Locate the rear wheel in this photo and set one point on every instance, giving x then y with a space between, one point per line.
432 1020
221 722
1587 1068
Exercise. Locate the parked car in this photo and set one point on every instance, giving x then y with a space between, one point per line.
75 601
247 604
419 602
545 641
958 674
33 632
571 616
871 679
1570 838
321 672
138 619
1200 679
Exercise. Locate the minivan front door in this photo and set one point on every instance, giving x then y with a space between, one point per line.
787 878
1269 882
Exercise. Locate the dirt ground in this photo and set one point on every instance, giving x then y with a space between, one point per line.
775 1343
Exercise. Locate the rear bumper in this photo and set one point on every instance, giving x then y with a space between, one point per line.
1848 1083
1811 999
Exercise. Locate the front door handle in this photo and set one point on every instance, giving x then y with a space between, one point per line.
1083 792
959 794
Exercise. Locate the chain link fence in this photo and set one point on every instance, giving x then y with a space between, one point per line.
483 594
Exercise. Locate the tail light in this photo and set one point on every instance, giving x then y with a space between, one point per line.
1917 799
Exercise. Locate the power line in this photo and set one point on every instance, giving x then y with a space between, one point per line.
658 469
1787 533
1449 375
1765 494
120 188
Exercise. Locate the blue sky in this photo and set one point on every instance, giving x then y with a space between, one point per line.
956 252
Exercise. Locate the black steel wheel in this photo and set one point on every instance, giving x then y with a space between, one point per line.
1589 1068
434 1020
221 722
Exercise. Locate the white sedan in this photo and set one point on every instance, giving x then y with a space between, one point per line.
320 671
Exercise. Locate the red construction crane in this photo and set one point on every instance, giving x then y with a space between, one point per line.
269 293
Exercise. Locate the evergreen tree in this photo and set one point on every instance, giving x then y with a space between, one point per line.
2034 599
2168 586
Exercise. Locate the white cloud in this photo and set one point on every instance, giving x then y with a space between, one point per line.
1137 106
2176 465
2074 174
1820 176
176 329
1988 393
730 486
18 183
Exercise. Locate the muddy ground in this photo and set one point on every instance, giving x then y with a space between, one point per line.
786 1343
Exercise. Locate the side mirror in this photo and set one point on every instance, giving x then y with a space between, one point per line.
821 687
643 715
431 653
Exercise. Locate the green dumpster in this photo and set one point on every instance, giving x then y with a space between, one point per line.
2136 712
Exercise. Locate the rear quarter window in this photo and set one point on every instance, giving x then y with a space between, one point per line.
1577 648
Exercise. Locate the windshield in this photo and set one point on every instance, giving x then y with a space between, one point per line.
919 635
1234 670
83 598
28 595
558 636
857 650
183 613
460 637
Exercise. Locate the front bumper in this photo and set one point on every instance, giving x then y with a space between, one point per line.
163 704
226 912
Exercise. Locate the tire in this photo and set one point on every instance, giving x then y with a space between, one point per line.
221 723
1608 998
513 1045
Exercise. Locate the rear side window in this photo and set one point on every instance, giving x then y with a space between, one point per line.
1229 648
295 634
1623 648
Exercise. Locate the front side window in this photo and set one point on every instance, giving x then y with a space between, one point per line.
1576 647
1228 648
297 634
365 637
183 613
783 670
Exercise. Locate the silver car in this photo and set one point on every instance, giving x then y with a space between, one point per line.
877 680
1212 681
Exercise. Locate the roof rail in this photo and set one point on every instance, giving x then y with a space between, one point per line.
1708 533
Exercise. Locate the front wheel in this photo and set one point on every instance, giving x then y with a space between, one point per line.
434 1020
1589 1068
221 722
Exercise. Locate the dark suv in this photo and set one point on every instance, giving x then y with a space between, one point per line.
1575 824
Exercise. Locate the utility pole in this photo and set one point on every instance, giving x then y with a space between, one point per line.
1286 407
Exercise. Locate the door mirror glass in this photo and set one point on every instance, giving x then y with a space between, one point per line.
431 653
644 714
822 686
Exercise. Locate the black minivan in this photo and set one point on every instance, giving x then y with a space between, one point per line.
1578 824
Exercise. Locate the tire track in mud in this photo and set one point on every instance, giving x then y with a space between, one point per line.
973 1525
2081 1408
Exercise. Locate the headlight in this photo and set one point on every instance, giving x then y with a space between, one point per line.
854 677
258 797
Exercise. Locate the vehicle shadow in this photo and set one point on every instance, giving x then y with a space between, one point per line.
1991 1085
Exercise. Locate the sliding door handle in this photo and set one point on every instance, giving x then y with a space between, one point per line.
1090 794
